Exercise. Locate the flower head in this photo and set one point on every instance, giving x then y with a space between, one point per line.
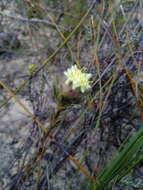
78 78
32 68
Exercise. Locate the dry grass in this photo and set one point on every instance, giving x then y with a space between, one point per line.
71 140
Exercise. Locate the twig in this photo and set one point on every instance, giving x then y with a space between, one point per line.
31 20
68 154
70 150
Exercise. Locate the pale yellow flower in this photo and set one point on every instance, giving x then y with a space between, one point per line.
78 78
32 68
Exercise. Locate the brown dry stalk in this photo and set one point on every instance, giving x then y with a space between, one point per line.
45 130
23 106
83 169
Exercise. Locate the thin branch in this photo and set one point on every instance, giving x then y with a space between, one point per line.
31 20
